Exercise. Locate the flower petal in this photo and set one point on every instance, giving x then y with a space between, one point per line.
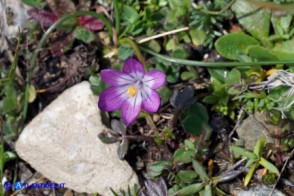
112 98
154 79
132 66
131 108
152 102
115 78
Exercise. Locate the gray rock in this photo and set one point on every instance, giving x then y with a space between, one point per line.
61 143
13 16
259 190
251 129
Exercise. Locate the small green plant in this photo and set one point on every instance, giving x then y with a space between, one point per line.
225 84
207 20
255 159
131 191
187 181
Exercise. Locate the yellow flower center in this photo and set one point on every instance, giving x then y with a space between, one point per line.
132 91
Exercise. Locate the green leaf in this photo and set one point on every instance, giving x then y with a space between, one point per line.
180 53
244 152
97 85
159 166
259 146
10 101
254 20
189 144
233 77
218 73
194 119
170 45
199 110
260 53
250 162
165 94
187 75
211 99
219 192
125 52
123 148
105 138
186 176
268 165
200 170
8 155
284 50
207 190
32 93
282 24
179 11
129 14
233 45
94 80
188 190
84 34
183 155
250 174
198 36
154 45
192 124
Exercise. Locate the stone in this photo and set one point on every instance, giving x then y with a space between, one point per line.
250 131
258 190
13 17
61 143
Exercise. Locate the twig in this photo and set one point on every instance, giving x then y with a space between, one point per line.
238 122
138 137
280 175
236 164
163 34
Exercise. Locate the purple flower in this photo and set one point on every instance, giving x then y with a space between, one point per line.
131 90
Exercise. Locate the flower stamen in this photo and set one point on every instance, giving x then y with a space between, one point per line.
132 91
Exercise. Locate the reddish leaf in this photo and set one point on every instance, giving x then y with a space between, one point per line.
61 45
45 18
90 23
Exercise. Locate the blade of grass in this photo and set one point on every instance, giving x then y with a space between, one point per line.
212 64
117 17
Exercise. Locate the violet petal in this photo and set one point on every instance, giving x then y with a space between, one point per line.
154 79
115 78
133 65
111 99
152 103
131 109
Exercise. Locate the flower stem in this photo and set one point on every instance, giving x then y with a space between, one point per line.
135 48
174 119
213 64
151 123
140 137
